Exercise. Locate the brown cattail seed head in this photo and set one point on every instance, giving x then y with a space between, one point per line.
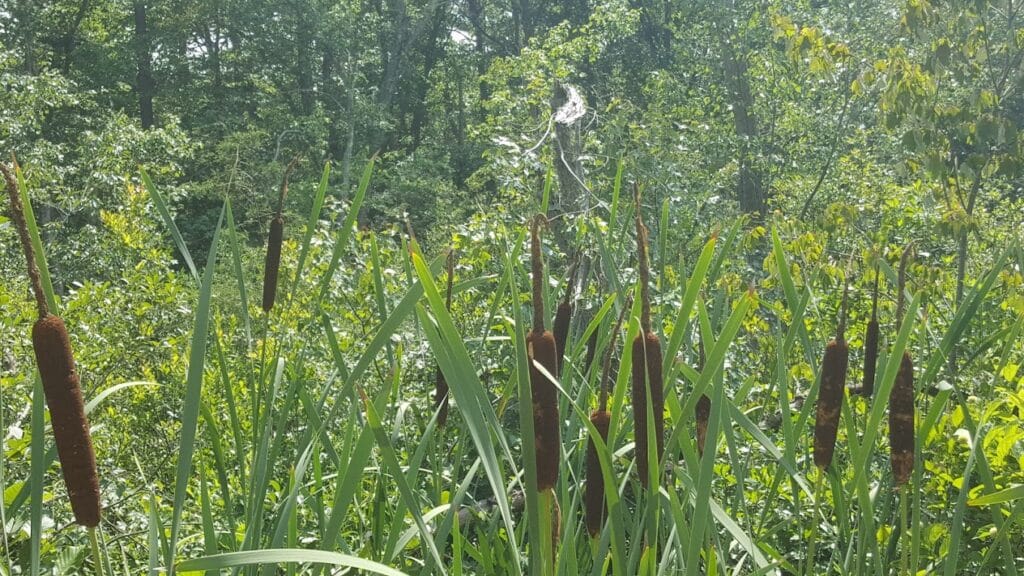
901 422
830 401
647 374
273 262
67 414
541 349
703 414
594 505
441 397
867 388
547 440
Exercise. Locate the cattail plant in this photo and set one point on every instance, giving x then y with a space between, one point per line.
591 352
646 362
563 316
440 383
702 411
867 388
272 264
595 506
540 346
56 365
901 398
830 393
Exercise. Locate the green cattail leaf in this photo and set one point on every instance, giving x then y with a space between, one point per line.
165 213
153 531
1006 495
193 391
213 431
341 238
727 247
715 358
967 310
750 544
405 491
290 503
792 299
37 473
349 482
957 522
737 416
702 503
549 181
285 556
206 513
229 396
465 386
314 217
700 270
616 192
236 260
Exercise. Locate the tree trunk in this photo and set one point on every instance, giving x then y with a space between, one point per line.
143 59
572 193
750 182
432 52
303 71
328 99
475 12
67 42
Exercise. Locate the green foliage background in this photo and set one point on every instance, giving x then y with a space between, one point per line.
844 130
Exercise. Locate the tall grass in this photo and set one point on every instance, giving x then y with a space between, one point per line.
308 443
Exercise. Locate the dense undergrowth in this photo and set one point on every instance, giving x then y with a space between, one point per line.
227 436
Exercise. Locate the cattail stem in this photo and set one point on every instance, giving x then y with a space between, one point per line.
841 323
902 284
18 215
283 193
95 545
606 363
537 269
812 543
644 267
441 400
563 318
871 345
904 537
550 530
